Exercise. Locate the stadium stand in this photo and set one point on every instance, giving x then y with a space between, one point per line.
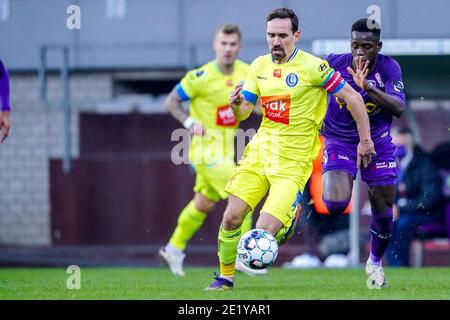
432 246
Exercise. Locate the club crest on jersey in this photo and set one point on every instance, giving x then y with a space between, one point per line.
398 86
291 79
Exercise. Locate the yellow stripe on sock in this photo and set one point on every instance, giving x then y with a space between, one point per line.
227 269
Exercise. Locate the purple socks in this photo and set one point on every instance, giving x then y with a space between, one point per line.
336 207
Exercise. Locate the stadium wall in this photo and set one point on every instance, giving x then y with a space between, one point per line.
37 134
175 33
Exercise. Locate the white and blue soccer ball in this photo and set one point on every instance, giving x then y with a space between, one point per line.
257 249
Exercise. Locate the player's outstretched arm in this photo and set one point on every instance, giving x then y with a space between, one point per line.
355 105
241 108
173 104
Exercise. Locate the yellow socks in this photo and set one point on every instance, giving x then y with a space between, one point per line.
189 221
228 241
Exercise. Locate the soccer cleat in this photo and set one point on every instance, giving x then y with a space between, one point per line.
174 261
219 284
375 276
239 266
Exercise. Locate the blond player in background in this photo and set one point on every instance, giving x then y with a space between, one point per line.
213 125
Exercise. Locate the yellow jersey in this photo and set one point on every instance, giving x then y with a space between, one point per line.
208 89
294 99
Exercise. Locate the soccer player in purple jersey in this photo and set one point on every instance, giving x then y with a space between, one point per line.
378 78
4 102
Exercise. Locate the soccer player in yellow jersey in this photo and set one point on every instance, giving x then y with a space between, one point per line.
292 85
213 125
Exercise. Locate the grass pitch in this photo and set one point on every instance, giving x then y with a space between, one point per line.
280 284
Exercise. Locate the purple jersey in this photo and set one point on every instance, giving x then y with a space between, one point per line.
4 88
387 76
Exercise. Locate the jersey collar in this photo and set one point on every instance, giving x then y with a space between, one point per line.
293 54
220 70
291 57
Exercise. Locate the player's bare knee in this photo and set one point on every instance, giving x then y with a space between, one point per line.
337 185
232 219
206 207
203 204
234 213
268 223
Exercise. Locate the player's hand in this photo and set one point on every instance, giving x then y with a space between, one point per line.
360 76
4 125
197 129
236 97
365 151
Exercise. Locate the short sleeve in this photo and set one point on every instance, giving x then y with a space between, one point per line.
393 81
189 86
251 89
324 76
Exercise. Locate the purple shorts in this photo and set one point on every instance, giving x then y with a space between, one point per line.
382 171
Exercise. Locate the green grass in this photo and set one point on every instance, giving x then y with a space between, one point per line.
158 283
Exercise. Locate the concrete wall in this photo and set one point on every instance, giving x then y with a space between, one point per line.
169 33
36 135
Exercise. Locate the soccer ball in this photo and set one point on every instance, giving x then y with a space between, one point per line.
257 249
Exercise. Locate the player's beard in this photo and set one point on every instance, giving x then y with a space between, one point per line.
279 56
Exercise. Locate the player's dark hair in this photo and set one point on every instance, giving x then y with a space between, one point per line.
367 25
230 28
284 13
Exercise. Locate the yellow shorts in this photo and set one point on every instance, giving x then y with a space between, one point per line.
284 181
211 180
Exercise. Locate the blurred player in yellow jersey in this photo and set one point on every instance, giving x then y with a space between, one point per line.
293 86
213 125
